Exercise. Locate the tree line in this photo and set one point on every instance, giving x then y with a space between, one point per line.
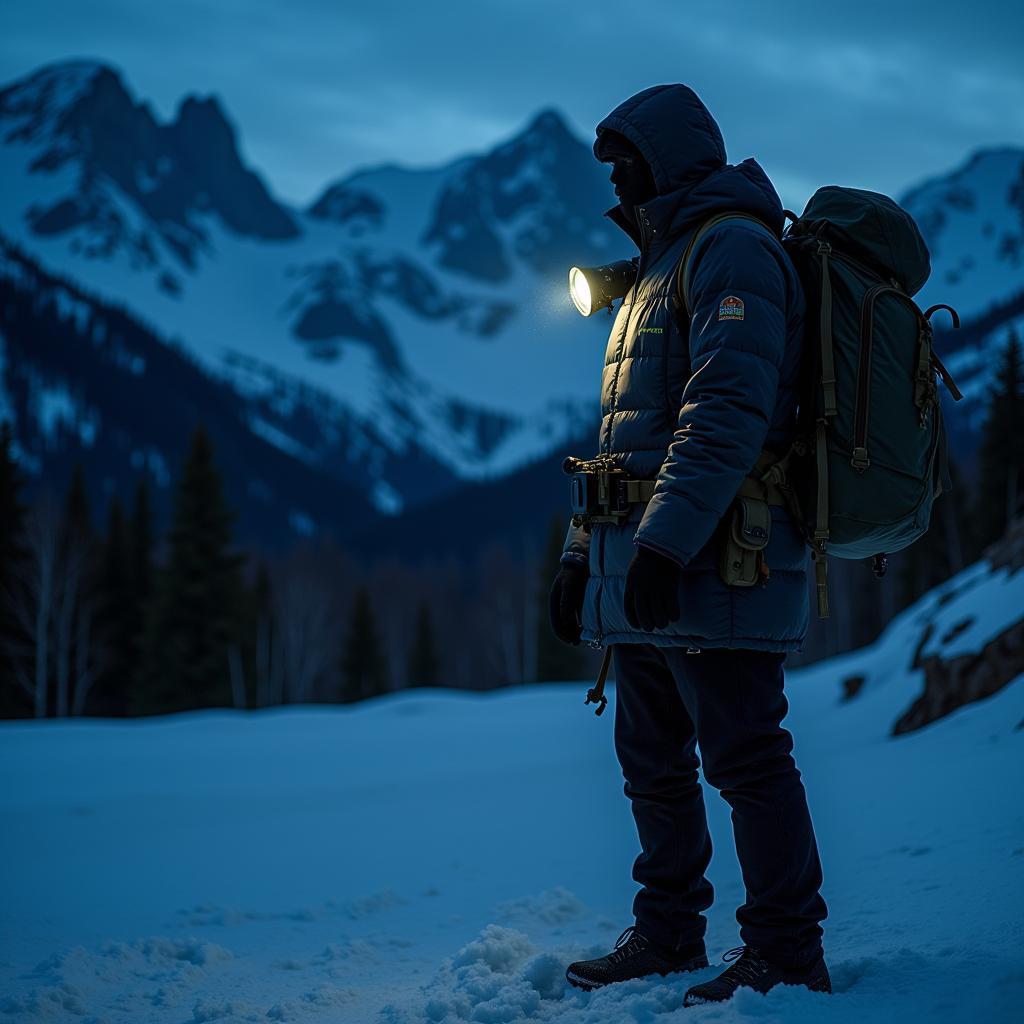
116 620
123 619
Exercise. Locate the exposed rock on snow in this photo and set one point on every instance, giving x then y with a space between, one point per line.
952 680
950 684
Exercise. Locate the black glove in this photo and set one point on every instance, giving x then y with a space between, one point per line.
651 597
565 603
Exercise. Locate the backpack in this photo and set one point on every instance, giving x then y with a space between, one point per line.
869 458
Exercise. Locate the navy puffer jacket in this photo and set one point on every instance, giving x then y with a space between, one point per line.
694 408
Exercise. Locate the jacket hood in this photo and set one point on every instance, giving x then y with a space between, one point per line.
683 145
673 130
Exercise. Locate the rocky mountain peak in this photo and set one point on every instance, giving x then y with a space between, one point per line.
80 113
550 122
47 92
542 187
201 123
68 109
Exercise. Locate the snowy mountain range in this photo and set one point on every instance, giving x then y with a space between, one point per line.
408 310
408 331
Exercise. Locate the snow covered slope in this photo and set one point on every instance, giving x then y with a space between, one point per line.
973 222
84 383
439 857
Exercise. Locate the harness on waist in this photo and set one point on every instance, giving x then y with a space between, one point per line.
601 492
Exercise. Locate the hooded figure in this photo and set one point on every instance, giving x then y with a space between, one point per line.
692 404
694 408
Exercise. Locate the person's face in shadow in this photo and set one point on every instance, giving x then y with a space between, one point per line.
633 181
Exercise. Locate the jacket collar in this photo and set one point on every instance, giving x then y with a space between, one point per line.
618 217
656 221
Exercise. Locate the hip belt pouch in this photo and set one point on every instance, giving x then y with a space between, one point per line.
748 530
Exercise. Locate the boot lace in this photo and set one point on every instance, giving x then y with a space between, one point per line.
628 943
749 965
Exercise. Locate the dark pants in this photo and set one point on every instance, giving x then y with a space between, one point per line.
729 703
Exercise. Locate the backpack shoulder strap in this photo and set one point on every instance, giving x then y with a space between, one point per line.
681 292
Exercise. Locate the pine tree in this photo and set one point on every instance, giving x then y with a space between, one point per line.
14 701
12 512
555 660
77 650
265 690
424 662
109 695
941 552
363 667
140 556
196 596
78 526
139 576
1001 471
256 655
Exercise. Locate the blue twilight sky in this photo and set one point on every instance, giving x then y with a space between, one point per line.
876 93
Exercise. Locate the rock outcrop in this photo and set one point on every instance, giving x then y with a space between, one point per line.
949 683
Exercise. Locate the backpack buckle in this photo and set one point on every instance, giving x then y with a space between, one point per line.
859 459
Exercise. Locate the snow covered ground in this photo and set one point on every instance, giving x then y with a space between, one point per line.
440 857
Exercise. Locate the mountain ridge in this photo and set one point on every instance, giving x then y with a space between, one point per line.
53 333
392 331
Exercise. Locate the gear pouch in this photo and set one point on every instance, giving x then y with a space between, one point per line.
749 522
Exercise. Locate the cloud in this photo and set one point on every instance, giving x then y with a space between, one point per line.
318 88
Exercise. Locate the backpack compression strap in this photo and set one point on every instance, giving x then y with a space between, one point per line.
829 409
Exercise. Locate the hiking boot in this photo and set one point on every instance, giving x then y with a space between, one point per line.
753 971
634 956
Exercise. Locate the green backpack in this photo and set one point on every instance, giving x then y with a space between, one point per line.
870 455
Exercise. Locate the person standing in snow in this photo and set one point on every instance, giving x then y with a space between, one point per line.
693 403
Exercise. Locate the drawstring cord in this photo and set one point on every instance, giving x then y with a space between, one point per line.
595 695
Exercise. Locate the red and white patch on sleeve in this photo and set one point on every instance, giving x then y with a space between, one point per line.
731 308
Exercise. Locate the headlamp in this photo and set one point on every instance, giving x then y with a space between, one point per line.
594 288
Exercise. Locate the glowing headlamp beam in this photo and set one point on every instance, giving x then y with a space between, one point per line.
594 288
